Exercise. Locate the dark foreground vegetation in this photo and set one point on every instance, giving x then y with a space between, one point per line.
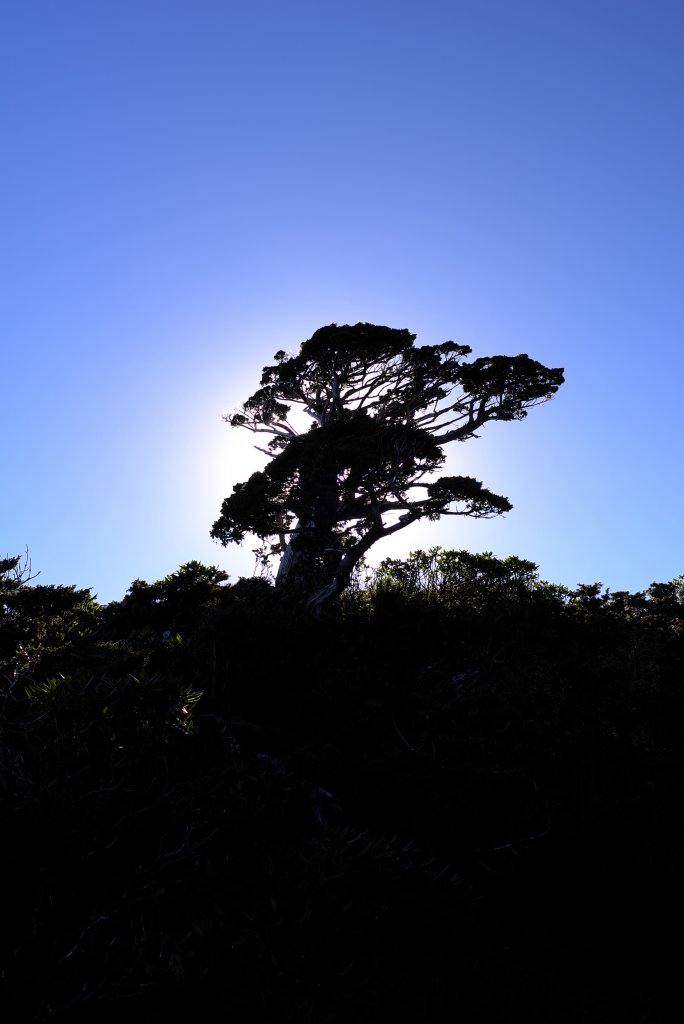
456 796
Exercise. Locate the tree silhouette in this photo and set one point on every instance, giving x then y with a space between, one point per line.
381 411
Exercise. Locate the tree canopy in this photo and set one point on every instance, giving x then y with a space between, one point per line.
380 411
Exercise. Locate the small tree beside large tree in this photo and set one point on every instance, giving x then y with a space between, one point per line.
381 410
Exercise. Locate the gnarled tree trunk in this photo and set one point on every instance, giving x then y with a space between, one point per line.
321 596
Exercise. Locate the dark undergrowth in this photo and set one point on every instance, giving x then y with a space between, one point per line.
455 797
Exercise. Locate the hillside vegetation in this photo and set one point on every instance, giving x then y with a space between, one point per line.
455 796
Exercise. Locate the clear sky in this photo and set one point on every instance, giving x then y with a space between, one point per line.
189 185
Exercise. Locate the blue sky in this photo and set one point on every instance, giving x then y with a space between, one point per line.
190 185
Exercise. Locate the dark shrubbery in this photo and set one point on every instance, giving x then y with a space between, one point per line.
456 796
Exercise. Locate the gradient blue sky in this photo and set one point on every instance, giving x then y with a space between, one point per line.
190 185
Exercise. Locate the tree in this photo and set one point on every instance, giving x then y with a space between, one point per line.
37 623
381 411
